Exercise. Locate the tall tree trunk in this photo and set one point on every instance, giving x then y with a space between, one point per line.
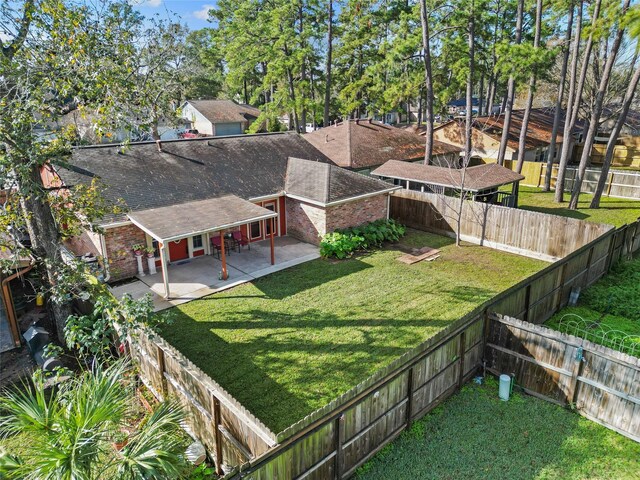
574 101
303 73
511 90
532 89
613 138
428 82
468 120
597 111
551 152
327 87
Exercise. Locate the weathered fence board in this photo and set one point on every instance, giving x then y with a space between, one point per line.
545 236
603 384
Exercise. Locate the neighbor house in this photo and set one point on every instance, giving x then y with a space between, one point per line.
486 134
362 145
218 117
180 194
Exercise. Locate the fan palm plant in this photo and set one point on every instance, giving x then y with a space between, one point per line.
71 430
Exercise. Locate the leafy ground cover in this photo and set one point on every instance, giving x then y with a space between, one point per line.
612 303
613 211
474 436
291 342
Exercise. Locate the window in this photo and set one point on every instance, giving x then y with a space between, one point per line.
197 242
255 230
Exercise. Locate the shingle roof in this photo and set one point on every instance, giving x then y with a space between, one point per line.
170 223
225 111
325 183
248 166
365 144
480 177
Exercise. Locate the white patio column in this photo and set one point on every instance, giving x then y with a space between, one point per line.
165 273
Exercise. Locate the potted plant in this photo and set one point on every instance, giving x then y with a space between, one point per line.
150 251
120 439
137 249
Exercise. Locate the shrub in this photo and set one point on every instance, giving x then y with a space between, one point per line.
343 243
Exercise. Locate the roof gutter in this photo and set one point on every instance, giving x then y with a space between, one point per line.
201 232
344 200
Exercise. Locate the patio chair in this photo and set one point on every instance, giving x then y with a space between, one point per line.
217 245
241 240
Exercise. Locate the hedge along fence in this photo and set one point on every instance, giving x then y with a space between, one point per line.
229 431
528 233
602 384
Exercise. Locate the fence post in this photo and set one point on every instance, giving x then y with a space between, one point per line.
338 446
588 271
409 396
527 302
572 393
162 369
610 183
461 355
217 434
612 247
563 279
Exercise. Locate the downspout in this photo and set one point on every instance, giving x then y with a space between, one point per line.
8 302
388 205
105 260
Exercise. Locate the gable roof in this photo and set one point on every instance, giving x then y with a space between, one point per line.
248 166
366 144
480 177
325 183
224 111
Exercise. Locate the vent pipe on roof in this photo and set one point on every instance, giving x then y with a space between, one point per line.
326 138
159 144
370 120
357 121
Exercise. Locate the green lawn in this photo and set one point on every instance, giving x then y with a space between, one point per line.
474 436
613 211
291 342
612 303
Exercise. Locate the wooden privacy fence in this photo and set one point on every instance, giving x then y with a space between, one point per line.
230 432
620 183
525 232
602 384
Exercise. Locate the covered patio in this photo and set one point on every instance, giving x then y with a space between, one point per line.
215 218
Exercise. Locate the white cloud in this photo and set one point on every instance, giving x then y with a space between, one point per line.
149 3
203 13
5 37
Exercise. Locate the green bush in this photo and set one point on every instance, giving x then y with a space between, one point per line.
343 243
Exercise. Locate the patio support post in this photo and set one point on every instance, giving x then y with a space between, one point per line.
273 254
165 273
223 257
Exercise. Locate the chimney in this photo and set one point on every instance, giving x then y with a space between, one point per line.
159 144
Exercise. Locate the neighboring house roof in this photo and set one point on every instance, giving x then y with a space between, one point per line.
480 177
325 183
367 144
224 111
539 128
250 166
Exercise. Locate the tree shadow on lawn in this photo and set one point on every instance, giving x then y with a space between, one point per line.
282 367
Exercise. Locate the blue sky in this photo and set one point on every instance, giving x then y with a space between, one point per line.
191 12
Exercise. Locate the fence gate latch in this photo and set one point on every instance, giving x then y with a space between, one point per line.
579 356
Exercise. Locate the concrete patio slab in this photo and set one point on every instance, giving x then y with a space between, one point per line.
198 277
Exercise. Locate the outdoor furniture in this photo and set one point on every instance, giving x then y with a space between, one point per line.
216 244
241 240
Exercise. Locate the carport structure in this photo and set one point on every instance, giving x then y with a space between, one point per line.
213 216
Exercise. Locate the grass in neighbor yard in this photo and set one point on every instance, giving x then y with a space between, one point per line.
612 303
474 436
613 211
291 342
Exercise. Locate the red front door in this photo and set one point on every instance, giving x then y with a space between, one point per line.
178 250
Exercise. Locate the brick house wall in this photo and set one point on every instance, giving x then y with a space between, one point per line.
355 213
309 222
305 221
122 260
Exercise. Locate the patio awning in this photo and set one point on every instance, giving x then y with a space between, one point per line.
195 218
